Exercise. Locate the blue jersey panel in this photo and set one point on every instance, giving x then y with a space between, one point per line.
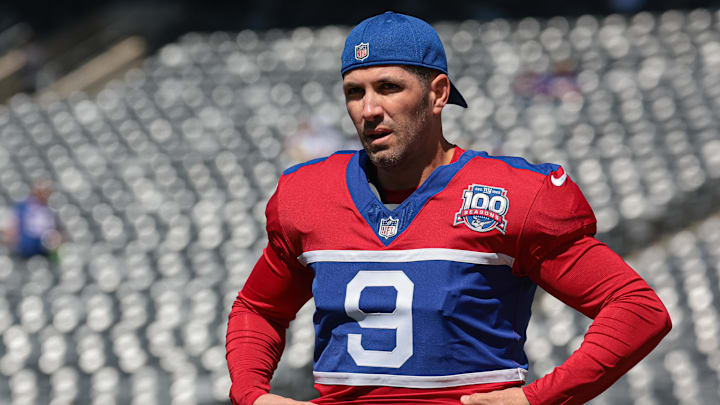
421 318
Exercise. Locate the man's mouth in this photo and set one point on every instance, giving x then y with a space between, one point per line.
377 134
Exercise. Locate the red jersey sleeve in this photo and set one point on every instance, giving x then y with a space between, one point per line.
557 251
559 214
629 320
276 289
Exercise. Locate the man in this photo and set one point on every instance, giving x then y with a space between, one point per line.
32 228
423 258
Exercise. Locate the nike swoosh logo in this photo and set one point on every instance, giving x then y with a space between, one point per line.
559 181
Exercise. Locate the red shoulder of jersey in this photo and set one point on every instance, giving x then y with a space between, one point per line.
542 208
559 215
309 194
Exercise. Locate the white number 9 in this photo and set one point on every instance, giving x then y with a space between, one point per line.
400 319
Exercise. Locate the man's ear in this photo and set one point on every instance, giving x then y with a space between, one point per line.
439 92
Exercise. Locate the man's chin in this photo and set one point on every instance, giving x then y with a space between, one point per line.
384 159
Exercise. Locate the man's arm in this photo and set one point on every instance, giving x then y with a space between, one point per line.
272 399
556 250
629 321
254 346
260 315
276 289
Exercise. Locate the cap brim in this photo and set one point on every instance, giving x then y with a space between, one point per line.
456 97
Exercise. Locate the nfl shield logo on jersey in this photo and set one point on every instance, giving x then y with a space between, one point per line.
362 51
483 208
388 227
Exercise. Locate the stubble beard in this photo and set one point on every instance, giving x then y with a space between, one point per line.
405 136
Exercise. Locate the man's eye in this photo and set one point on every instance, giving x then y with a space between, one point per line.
353 92
389 87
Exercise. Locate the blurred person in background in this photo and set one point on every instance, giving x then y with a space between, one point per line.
423 258
314 139
31 227
557 84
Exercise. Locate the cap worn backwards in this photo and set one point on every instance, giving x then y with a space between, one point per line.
396 39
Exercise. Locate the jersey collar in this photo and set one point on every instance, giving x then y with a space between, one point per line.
377 214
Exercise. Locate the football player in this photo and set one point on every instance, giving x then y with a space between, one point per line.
423 258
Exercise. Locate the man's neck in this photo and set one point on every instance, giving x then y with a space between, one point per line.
416 171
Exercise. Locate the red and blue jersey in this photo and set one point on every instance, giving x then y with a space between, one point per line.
428 294
431 300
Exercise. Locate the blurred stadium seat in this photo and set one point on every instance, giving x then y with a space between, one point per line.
162 179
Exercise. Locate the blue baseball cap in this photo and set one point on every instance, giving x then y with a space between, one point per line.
397 39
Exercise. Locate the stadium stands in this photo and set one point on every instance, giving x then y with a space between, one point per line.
162 179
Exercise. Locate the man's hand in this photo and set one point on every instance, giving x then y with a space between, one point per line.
272 399
509 396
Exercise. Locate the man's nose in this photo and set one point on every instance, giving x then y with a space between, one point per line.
372 109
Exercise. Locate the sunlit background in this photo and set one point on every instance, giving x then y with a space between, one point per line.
164 127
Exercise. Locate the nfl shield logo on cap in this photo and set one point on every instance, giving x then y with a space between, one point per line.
362 51
398 39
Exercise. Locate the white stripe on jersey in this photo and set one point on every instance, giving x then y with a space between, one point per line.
403 256
417 381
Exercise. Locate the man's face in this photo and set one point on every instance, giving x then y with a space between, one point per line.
389 107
